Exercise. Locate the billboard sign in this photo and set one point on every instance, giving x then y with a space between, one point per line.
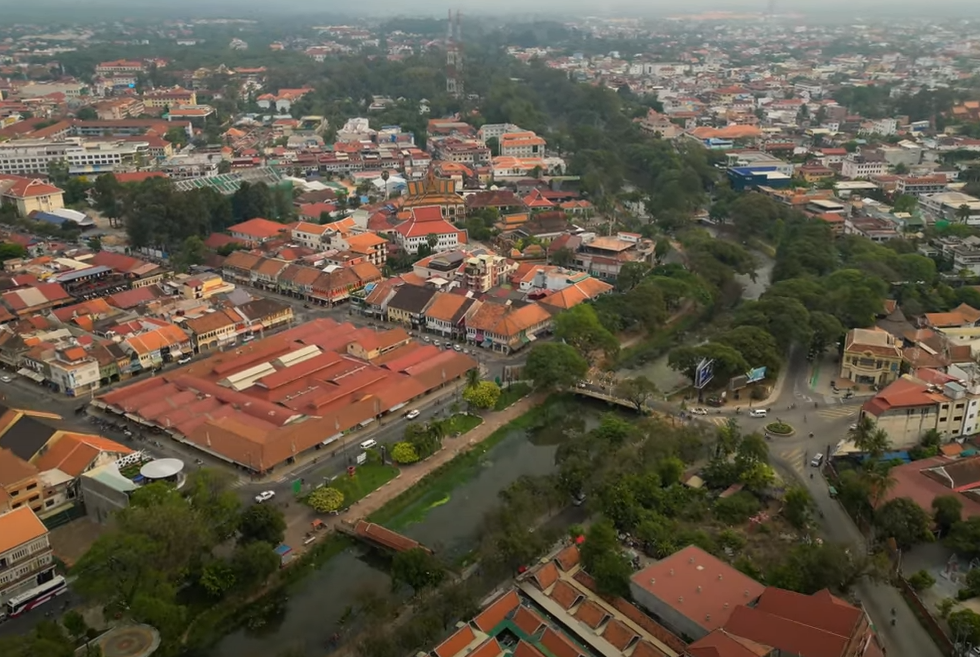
703 373
758 374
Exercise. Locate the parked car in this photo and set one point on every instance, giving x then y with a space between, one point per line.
457 348
5 379
412 414
759 412
715 401
370 443
265 496
699 411
184 360
817 460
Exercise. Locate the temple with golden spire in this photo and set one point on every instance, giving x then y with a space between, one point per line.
434 191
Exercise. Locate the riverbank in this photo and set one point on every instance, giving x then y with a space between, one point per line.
432 489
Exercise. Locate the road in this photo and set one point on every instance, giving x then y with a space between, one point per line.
829 423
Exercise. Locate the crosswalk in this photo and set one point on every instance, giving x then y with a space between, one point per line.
838 412
797 457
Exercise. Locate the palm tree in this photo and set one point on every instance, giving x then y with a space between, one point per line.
879 476
869 438
963 212
472 378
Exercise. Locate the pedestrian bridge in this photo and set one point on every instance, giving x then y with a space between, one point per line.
381 537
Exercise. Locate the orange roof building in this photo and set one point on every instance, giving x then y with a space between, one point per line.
693 592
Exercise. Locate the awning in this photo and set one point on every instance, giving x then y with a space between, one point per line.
31 374
487 343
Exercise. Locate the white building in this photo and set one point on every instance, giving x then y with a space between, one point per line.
26 558
857 166
496 131
27 157
947 206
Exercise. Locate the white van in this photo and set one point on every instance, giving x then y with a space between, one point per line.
369 444
758 412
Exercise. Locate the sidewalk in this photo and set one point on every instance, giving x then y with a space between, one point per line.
299 516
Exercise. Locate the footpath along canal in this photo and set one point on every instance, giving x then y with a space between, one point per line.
445 515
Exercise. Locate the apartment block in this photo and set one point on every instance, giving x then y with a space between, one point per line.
26 558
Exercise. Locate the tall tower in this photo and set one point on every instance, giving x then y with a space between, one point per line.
454 56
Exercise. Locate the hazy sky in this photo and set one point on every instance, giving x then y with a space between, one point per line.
557 9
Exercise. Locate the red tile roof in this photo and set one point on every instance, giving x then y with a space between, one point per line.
493 615
456 643
258 228
818 625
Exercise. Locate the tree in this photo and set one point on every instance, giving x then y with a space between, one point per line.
210 494
262 522
483 395
603 559
786 320
757 347
86 113
326 499
107 197
903 520
253 563
963 213
946 512
964 537
637 391
797 505
562 257
580 327
11 251
192 252
404 453
555 365
94 243
921 580
417 568
45 640
630 275
869 438
176 136
905 203
218 577
661 249
58 172
964 624
472 377
224 166
75 624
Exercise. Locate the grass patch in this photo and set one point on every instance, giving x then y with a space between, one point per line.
367 478
511 394
463 422
434 489
779 428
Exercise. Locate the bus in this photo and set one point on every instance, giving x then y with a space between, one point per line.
35 596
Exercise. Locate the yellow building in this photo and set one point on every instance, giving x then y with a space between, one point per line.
871 356
204 286
30 195
433 190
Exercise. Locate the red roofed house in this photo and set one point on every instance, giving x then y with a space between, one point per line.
692 592
818 625
909 407
30 195
426 221
257 231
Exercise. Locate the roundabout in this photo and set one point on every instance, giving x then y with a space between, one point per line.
779 429
129 641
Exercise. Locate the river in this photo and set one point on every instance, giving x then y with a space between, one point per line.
669 380
449 524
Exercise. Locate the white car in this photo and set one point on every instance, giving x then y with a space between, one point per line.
699 411
817 460
412 414
5 379
265 496
758 412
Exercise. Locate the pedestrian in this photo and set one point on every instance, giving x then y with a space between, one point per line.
804 418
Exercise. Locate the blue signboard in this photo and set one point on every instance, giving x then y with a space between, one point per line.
758 374
704 372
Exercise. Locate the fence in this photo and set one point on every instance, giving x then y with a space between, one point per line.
929 622
64 517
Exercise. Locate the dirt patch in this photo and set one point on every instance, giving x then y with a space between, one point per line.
72 540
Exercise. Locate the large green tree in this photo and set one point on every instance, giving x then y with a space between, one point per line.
903 520
555 365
